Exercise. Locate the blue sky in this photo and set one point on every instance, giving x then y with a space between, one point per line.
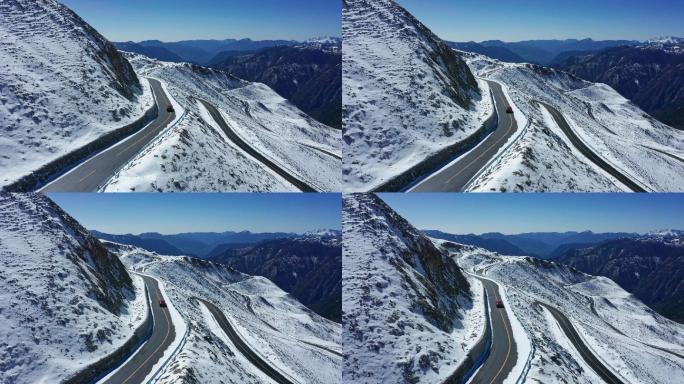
171 213
460 20
174 20
535 212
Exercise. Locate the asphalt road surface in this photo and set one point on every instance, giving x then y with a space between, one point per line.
456 176
588 153
252 152
139 366
92 173
504 354
253 358
586 354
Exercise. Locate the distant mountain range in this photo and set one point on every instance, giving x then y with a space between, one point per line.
542 52
307 266
309 75
651 267
649 74
198 244
544 245
196 51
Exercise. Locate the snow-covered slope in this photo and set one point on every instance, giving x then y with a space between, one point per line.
406 94
615 325
65 301
543 159
409 313
62 85
196 155
272 323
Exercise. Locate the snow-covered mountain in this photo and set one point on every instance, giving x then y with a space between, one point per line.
196 155
542 158
633 341
307 266
409 312
406 94
62 85
274 324
650 266
65 300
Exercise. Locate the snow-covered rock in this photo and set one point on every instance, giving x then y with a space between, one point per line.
409 313
406 94
62 85
65 300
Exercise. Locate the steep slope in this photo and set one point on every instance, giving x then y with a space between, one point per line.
280 329
651 75
308 266
62 85
309 76
633 341
542 157
65 300
406 93
197 155
409 313
651 268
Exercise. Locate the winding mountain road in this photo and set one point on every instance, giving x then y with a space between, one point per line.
503 354
244 349
96 170
216 115
584 351
136 368
588 153
455 177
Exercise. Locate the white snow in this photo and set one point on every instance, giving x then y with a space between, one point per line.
54 286
269 320
58 88
614 324
195 155
398 101
543 158
390 301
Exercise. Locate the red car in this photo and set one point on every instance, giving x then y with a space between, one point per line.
162 303
509 110
169 108
499 303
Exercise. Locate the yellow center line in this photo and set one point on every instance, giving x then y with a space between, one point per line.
168 331
88 175
142 138
508 334
482 154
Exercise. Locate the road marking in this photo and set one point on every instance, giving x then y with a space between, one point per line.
482 154
88 175
508 334
142 138
168 331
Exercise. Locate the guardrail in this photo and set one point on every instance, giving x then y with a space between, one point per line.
433 163
56 168
528 365
161 369
101 368
481 349
497 157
